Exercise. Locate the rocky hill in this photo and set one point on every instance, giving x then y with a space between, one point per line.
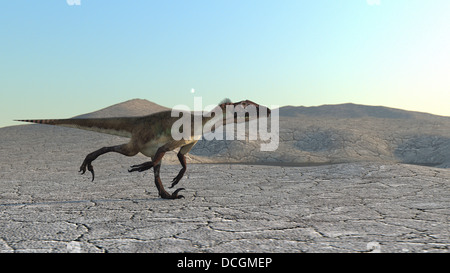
344 133
350 110
320 140
130 108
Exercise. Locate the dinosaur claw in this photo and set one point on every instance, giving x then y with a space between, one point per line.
89 167
180 189
176 180
173 183
175 194
141 167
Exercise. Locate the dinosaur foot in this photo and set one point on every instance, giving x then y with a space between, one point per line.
87 163
141 167
174 195
176 180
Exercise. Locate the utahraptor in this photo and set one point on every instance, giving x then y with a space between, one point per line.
149 135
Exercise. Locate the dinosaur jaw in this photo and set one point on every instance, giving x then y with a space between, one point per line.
243 116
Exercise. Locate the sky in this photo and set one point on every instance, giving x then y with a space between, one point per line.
62 58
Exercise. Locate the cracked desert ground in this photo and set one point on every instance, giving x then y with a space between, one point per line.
46 206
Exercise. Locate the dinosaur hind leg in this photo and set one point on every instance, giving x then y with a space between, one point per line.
177 178
181 157
149 164
156 168
124 149
162 192
156 165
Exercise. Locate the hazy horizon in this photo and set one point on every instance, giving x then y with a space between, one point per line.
206 108
61 59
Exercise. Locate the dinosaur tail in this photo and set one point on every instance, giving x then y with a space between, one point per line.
113 126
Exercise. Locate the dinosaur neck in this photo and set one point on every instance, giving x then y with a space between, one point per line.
218 118
214 114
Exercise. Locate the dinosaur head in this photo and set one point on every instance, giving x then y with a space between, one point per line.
244 108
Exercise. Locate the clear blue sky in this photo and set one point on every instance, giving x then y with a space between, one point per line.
58 60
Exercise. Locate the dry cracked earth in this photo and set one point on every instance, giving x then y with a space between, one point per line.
45 206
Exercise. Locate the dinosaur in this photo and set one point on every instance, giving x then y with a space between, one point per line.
149 135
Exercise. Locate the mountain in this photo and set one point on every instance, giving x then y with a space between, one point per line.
130 108
350 110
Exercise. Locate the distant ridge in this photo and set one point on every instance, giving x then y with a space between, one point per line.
130 108
142 107
350 110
